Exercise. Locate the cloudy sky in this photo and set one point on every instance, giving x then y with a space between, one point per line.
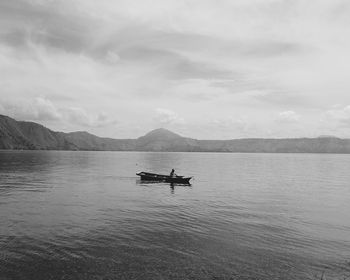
203 68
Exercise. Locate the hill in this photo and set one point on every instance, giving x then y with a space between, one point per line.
29 135
20 135
164 140
32 136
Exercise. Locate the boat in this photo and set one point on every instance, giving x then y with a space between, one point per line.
146 176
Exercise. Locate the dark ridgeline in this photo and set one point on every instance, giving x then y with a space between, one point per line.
32 136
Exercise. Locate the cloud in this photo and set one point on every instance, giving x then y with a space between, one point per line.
170 64
234 123
39 109
177 54
42 110
79 116
288 117
45 110
340 115
274 95
165 117
50 23
112 57
196 90
264 49
125 58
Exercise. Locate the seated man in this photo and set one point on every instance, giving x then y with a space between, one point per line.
172 173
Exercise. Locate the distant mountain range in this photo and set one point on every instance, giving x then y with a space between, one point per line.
21 135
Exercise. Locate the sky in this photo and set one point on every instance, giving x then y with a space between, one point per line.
205 69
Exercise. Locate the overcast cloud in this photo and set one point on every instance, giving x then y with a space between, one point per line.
205 69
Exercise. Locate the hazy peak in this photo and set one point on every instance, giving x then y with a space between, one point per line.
161 133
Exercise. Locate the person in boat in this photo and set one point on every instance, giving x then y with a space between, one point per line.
172 173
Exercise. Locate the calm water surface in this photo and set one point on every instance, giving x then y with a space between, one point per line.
84 215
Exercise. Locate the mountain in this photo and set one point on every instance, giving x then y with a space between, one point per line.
164 140
32 136
22 135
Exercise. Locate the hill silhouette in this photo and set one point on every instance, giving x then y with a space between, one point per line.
165 140
32 136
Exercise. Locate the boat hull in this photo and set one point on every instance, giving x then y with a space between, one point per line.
145 176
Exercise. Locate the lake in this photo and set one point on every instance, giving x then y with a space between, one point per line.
85 215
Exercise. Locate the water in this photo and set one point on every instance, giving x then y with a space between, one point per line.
84 215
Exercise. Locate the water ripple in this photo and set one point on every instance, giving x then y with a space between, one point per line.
67 215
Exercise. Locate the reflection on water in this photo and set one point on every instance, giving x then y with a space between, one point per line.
172 186
84 215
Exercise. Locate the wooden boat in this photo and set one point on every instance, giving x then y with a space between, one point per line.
146 176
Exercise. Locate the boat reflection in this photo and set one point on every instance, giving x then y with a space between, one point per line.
172 185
